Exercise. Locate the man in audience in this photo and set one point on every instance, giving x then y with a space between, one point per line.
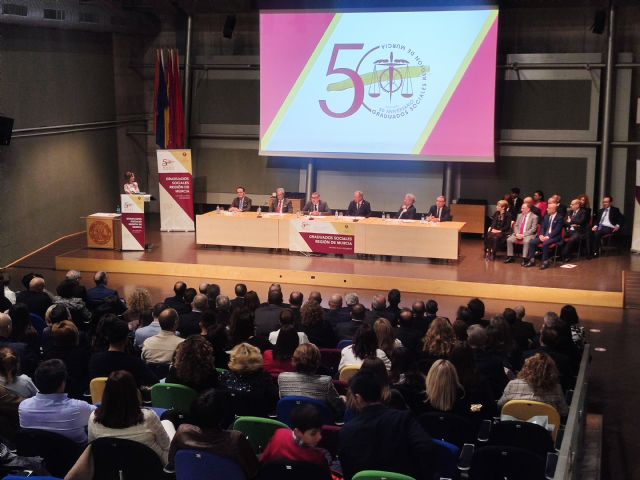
359 207
316 206
115 358
535 210
420 320
152 329
240 291
351 299
378 310
296 299
488 364
241 203
407 210
406 333
160 347
515 202
607 221
550 234
177 301
346 330
523 332
223 310
336 313
476 307
280 204
394 298
51 409
28 357
189 323
524 230
36 300
549 341
562 208
315 296
212 293
440 212
267 317
565 344
576 222
98 294
383 438
80 291
202 288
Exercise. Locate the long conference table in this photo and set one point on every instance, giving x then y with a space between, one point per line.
329 234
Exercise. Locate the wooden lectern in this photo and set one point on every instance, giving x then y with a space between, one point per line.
104 230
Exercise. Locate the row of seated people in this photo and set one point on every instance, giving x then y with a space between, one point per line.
550 227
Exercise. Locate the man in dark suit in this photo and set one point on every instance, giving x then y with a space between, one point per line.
336 314
379 310
607 221
550 234
487 363
28 356
576 223
408 335
562 208
420 321
280 204
316 206
346 330
79 290
97 294
241 291
548 344
383 438
177 301
407 210
189 322
524 333
440 212
241 203
36 300
359 207
515 202
267 317
393 298
296 299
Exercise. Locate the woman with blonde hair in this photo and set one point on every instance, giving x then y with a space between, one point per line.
10 377
138 302
498 230
256 393
539 381
387 341
444 391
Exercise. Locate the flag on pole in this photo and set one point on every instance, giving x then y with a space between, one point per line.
162 103
168 104
179 104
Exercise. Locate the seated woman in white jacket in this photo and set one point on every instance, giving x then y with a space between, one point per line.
365 345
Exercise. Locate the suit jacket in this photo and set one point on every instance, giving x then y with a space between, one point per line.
371 316
267 319
530 228
514 207
334 317
346 330
503 224
322 207
410 214
287 206
177 304
36 302
246 203
615 217
189 324
577 221
363 211
445 213
97 294
556 227
237 302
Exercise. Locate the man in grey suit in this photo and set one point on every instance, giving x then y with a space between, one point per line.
280 204
316 206
241 203
525 229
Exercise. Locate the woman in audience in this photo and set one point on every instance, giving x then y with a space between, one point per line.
278 360
251 301
365 345
444 392
22 330
406 378
138 302
569 315
194 364
318 330
242 329
305 382
216 334
286 318
438 343
390 396
585 203
79 311
10 377
120 416
500 342
387 341
477 389
256 392
538 380
206 433
498 230
65 345
539 203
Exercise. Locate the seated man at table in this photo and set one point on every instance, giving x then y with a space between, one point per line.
440 212
359 207
316 206
241 203
550 234
407 209
280 204
607 221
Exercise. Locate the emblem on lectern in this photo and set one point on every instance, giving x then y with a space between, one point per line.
100 233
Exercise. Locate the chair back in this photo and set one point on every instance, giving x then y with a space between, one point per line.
96 388
380 475
448 427
330 359
287 404
344 343
509 463
58 452
525 409
258 430
525 435
447 459
160 370
173 396
120 459
287 470
200 465
348 372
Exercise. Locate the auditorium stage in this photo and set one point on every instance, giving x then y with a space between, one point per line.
592 282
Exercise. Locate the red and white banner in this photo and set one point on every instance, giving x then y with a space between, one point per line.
321 236
132 222
176 190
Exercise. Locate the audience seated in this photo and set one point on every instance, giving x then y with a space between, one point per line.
406 334
523 332
444 393
538 380
365 345
10 376
22 329
477 390
65 345
177 302
488 364
394 297
378 310
287 318
99 293
278 360
387 341
347 330
138 302
569 316
240 291
216 334
549 343
267 317
242 330
421 321
390 396
336 313
28 357
383 438
190 321
206 433
252 301
296 300
438 343
314 325
405 377
142 333
79 311
194 365
35 298
51 409
160 347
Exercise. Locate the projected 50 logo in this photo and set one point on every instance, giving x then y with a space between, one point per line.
390 81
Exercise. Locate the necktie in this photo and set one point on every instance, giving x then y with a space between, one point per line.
316 207
280 206
240 205
553 217
524 223
439 213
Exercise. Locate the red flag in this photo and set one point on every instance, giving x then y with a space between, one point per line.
179 107
156 82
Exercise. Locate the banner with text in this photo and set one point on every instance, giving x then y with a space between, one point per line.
321 237
176 190
132 221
